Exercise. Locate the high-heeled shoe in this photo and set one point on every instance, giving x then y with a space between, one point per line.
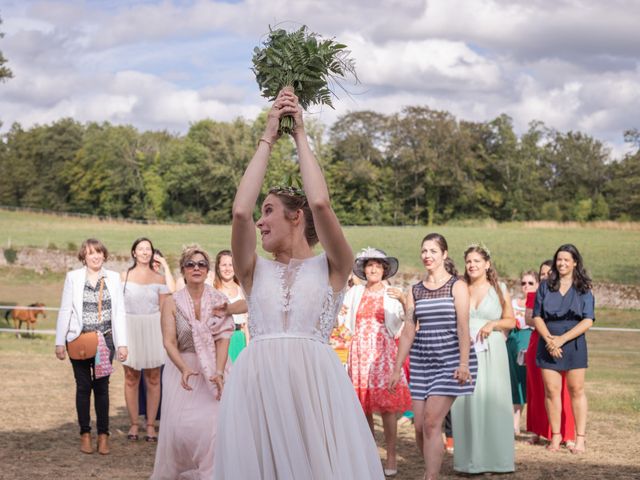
578 451
550 447
85 443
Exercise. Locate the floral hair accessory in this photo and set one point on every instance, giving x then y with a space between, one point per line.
291 185
287 190
479 246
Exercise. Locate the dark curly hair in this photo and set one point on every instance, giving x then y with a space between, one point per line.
581 279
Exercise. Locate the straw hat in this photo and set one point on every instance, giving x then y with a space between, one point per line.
370 253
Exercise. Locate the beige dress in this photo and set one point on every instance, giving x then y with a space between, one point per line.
189 418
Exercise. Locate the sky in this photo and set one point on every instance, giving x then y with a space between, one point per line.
163 65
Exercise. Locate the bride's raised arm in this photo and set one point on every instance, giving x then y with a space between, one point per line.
243 228
328 228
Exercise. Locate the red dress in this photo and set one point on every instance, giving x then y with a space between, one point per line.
537 419
372 356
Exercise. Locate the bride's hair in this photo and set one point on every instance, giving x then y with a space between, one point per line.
294 199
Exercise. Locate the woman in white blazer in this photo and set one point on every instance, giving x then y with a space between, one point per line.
92 301
374 313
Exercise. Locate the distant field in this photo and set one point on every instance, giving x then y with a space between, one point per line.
611 254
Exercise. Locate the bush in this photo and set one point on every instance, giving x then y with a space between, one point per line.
551 211
52 246
10 255
600 208
72 247
582 210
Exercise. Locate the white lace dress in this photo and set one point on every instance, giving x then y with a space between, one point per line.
289 410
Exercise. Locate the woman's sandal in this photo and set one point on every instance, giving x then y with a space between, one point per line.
575 450
150 438
132 437
550 447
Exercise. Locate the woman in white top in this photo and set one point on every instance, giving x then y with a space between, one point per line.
225 281
144 292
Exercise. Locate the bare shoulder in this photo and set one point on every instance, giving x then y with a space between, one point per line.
460 287
159 278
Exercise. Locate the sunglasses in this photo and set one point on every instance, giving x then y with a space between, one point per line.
527 283
190 265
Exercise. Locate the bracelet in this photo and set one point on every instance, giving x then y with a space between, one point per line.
463 365
265 141
219 373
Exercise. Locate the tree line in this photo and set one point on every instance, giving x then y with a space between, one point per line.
417 166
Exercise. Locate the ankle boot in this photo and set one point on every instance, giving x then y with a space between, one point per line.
85 443
103 444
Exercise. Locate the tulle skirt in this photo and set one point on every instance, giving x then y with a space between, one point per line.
144 338
187 437
290 412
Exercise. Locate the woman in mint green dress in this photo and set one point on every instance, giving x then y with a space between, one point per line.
483 421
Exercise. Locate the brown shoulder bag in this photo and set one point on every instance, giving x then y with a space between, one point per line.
86 345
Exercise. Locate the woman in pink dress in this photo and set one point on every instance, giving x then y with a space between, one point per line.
196 326
374 314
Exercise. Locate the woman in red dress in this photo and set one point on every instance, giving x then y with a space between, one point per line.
374 313
537 420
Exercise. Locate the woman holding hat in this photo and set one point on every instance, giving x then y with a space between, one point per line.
373 313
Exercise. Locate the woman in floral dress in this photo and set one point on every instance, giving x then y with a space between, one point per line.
374 314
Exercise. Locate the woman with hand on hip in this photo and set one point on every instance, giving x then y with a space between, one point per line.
374 313
301 418
436 337
483 422
196 326
144 292
92 302
225 281
564 310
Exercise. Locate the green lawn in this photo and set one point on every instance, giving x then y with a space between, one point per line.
611 255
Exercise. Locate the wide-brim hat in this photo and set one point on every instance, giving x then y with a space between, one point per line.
370 253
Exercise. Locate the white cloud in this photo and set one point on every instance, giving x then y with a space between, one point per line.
570 63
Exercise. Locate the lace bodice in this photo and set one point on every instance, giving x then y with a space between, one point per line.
142 299
294 300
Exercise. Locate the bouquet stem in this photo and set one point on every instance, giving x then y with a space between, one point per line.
287 124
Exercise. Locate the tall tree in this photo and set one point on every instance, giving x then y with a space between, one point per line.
5 72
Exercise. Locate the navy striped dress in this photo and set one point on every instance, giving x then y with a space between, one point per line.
435 353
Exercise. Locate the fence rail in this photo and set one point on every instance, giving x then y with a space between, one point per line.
55 309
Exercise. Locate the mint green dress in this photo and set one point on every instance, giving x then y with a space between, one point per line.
483 422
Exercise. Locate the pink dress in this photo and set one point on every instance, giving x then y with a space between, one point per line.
187 439
372 357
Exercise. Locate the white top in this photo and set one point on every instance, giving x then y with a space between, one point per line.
239 318
142 298
301 304
69 324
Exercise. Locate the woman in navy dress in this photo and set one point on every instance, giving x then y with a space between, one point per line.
563 312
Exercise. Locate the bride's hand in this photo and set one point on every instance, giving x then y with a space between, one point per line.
286 103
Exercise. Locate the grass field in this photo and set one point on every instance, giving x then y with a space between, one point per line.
611 254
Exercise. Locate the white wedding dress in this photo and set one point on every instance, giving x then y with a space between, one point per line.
289 411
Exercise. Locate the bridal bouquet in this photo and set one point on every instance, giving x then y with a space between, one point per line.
301 60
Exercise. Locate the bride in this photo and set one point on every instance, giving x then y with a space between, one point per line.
301 418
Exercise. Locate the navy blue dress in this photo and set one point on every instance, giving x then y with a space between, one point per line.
561 313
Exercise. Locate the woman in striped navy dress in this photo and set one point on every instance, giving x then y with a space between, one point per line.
443 364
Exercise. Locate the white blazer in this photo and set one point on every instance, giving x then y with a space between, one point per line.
393 311
69 325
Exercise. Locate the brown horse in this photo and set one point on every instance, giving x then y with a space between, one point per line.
26 315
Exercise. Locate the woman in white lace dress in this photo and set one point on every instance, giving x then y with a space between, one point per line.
302 418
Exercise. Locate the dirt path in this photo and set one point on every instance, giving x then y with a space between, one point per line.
39 438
